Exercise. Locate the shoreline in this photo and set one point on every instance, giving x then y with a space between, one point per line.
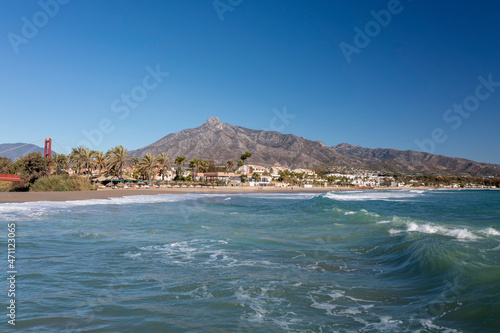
17 197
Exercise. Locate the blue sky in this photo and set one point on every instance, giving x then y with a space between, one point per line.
246 61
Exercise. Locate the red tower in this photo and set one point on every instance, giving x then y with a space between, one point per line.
48 148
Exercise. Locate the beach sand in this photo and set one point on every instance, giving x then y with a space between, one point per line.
116 193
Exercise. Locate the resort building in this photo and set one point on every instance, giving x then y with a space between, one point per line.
306 172
250 169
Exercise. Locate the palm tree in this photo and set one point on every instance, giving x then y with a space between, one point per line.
179 160
119 158
87 158
195 164
76 158
230 165
60 161
147 164
256 176
100 160
163 162
204 166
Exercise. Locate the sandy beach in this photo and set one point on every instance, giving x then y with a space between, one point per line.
116 193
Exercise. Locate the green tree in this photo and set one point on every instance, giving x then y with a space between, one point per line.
33 166
230 165
100 160
82 158
245 155
211 166
163 162
147 164
256 176
195 164
179 160
6 165
60 162
87 159
204 166
119 159
76 158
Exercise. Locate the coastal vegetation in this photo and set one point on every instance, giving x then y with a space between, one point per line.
80 169
62 183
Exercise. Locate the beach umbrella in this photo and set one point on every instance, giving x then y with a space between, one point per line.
101 178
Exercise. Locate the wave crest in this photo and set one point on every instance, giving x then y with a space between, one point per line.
374 195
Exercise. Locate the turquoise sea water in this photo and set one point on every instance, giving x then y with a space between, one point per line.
388 261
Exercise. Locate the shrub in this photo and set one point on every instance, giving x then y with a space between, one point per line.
19 187
62 183
33 167
5 186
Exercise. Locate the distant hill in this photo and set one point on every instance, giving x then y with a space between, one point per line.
221 141
415 162
9 150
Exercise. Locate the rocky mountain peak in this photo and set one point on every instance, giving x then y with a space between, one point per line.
214 122
222 142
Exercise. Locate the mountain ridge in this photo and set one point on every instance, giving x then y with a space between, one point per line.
221 142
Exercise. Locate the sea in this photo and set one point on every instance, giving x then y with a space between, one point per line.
357 261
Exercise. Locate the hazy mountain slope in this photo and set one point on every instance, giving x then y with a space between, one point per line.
16 153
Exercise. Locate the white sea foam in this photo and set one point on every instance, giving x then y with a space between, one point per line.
364 211
428 324
342 305
428 228
490 231
386 324
17 211
202 253
374 195
278 196
34 209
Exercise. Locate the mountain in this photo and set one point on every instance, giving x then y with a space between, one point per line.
9 150
221 141
413 162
